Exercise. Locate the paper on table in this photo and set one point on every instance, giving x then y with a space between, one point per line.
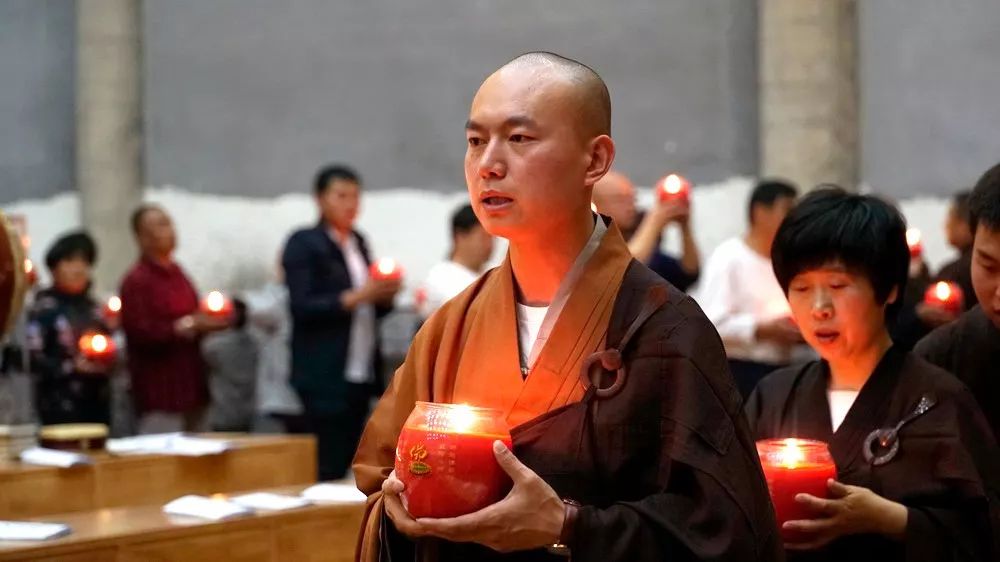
206 508
167 444
269 502
31 531
52 457
326 492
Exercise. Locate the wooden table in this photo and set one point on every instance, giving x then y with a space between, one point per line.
319 533
255 462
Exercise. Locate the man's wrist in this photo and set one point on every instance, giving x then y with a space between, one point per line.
571 512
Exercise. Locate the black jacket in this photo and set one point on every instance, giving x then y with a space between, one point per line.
316 274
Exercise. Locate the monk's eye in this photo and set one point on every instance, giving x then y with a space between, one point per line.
518 138
475 141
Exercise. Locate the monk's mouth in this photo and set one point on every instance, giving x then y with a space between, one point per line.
496 202
826 336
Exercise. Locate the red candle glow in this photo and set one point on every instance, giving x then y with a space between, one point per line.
674 188
30 275
946 296
795 466
445 459
915 242
217 304
384 269
113 308
97 347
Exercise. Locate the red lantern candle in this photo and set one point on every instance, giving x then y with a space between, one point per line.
946 296
674 189
98 347
217 305
112 308
791 467
385 269
30 275
914 241
445 459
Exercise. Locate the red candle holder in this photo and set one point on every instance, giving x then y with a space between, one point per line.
946 296
217 305
674 189
791 467
445 459
385 269
914 240
97 347
30 274
113 308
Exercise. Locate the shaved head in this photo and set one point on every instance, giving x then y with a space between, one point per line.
590 97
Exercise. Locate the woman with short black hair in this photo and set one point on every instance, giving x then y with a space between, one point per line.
69 388
930 490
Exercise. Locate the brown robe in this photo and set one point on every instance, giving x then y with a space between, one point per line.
946 471
969 348
665 469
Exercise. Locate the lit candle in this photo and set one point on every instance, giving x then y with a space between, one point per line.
112 308
98 347
791 467
30 275
914 241
445 459
217 305
674 188
946 296
384 269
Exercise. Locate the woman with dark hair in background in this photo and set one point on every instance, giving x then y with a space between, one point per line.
926 487
70 388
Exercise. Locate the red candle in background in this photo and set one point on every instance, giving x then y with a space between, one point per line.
946 296
795 466
217 305
385 269
112 308
30 275
914 240
98 347
445 459
674 188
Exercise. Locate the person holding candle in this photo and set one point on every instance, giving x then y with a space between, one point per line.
71 381
918 471
629 444
335 305
163 327
742 298
970 347
471 248
614 196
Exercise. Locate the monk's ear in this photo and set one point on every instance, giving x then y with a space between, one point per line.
893 295
602 155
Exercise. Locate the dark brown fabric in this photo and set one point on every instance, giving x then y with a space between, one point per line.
947 471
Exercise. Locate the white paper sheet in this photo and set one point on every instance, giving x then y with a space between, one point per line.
270 502
339 493
206 508
168 444
31 531
52 457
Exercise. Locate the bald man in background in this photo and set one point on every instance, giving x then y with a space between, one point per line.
629 444
614 196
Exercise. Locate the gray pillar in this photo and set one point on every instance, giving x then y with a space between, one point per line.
808 91
109 128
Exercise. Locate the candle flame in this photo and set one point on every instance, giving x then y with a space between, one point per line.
28 266
99 343
913 237
673 184
115 304
215 301
462 418
942 291
386 266
791 454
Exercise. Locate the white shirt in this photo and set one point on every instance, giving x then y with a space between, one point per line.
361 349
443 282
529 323
738 291
840 403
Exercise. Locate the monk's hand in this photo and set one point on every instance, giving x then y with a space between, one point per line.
531 516
391 489
851 510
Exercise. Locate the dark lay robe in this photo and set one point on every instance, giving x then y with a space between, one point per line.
969 348
946 472
665 470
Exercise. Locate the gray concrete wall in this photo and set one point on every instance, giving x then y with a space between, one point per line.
37 70
930 93
250 96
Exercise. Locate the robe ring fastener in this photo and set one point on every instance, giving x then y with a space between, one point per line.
886 440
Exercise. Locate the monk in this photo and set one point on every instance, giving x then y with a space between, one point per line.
628 439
